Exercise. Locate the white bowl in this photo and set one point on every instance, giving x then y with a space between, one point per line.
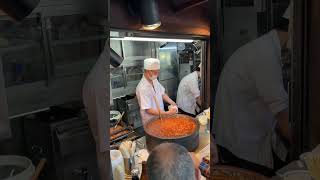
116 114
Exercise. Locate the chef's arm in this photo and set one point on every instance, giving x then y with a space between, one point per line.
167 99
156 112
283 125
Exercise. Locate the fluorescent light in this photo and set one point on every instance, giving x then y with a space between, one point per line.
169 48
152 39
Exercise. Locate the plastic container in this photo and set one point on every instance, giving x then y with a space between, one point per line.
16 168
117 164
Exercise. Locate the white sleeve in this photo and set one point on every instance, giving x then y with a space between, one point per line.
267 76
194 88
145 99
162 89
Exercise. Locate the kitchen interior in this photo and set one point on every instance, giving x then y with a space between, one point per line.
46 57
178 58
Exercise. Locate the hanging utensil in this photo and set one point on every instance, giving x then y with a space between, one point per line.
119 119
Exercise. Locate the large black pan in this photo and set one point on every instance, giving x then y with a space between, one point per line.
190 142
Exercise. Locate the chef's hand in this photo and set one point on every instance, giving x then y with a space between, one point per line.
172 111
175 107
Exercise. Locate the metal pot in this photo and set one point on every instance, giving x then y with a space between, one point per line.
115 118
190 142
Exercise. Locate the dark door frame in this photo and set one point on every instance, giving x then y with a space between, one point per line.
299 116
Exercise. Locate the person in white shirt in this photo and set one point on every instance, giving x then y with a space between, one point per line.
251 104
188 95
149 91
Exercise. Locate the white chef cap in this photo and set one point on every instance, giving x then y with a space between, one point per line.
289 10
151 64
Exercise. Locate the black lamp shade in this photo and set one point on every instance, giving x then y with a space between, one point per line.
115 59
149 12
18 9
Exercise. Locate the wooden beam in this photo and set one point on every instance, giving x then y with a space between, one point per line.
189 5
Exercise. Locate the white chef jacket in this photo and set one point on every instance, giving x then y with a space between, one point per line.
188 91
249 95
145 93
95 99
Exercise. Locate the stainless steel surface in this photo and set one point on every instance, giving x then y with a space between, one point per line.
73 148
168 61
30 50
22 52
137 48
171 86
184 70
125 78
65 140
133 113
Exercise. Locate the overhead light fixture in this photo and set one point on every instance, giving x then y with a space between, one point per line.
151 39
148 12
18 9
152 26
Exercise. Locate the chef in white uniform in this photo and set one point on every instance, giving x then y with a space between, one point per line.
188 95
149 90
251 103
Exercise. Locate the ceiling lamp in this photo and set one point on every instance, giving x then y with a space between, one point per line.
18 9
148 12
